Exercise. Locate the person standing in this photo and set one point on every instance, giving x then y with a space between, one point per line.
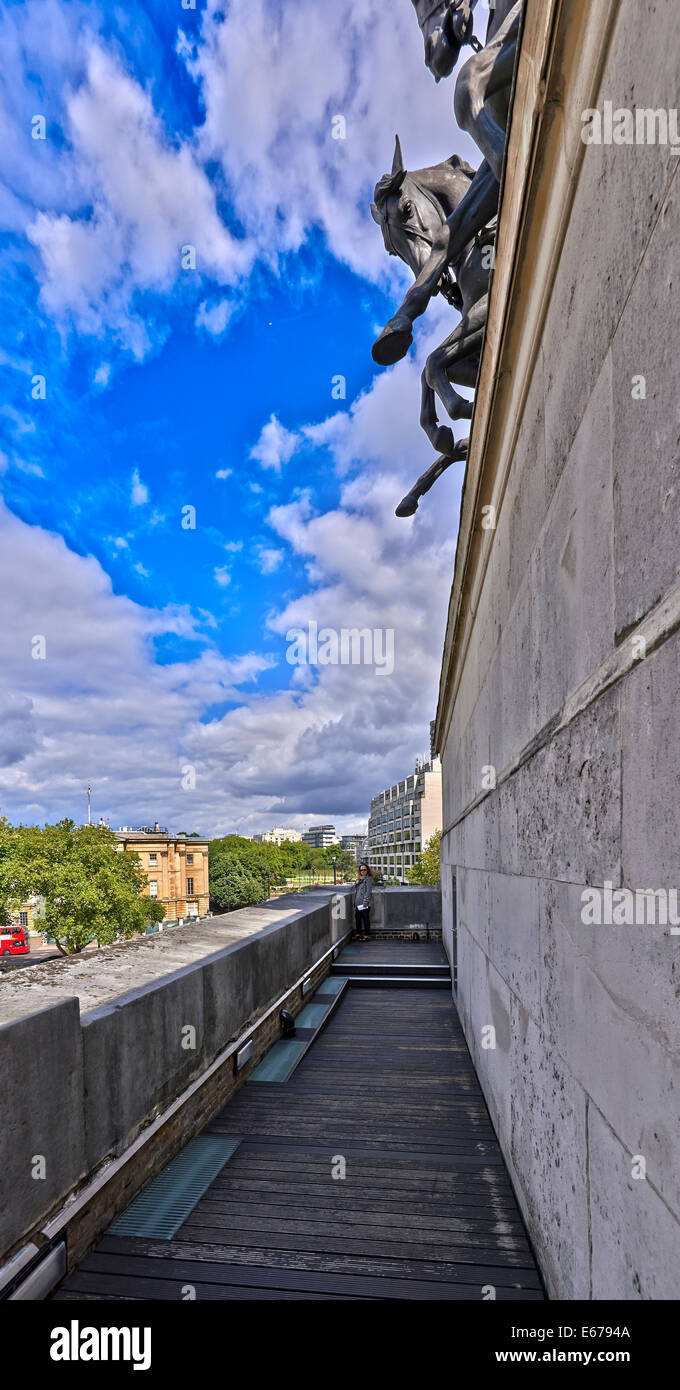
363 898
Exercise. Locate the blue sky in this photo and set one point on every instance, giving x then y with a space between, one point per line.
170 388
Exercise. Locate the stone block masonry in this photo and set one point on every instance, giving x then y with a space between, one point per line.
562 663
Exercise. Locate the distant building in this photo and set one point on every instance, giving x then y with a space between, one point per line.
354 844
277 835
403 818
319 836
176 867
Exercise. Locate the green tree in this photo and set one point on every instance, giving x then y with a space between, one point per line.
5 851
91 890
427 868
238 878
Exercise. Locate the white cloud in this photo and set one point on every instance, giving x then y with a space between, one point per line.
215 317
102 374
275 446
141 570
140 492
223 473
273 77
149 196
25 466
98 702
269 559
222 576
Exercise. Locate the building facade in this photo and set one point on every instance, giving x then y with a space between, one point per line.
403 818
277 835
558 714
176 869
355 844
319 836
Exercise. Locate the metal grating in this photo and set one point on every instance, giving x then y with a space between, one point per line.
159 1211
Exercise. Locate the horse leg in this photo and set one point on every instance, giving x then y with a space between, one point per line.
456 360
434 379
484 74
409 503
472 214
428 411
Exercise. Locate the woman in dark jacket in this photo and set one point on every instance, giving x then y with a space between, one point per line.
363 898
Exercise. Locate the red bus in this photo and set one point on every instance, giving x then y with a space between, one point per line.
14 939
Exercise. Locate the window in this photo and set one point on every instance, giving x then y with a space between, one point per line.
190 885
153 887
153 859
190 859
23 919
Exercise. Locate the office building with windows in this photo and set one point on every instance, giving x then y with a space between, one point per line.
354 844
403 818
318 836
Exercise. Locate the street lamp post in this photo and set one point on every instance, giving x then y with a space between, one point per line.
335 877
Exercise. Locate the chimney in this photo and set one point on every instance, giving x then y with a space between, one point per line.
155 825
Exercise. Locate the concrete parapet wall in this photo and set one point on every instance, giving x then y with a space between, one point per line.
93 1049
399 908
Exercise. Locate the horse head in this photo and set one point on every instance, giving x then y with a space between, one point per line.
410 209
444 34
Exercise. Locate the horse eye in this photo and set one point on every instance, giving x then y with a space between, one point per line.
406 209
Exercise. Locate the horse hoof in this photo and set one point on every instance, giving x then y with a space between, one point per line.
407 506
392 345
443 441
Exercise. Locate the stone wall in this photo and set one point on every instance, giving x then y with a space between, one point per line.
547 690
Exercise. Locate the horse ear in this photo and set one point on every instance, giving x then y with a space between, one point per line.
376 215
397 162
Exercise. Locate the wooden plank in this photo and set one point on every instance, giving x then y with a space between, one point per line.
426 1210
275 1276
225 1254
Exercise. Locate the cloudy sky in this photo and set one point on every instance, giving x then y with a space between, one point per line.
190 488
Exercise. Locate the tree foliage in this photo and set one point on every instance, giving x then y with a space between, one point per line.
91 890
426 871
243 872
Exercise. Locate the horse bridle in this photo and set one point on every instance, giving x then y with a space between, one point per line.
411 231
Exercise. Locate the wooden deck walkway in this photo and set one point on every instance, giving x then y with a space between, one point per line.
425 1209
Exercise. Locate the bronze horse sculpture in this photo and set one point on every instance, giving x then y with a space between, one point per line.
481 104
410 208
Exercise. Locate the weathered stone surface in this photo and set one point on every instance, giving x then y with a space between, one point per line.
484 1003
580 555
651 770
513 935
647 500
635 1237
573 628
473 904
621 187
548 1152
568 799
609 1006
